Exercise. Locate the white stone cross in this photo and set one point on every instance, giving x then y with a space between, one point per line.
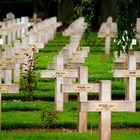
35 19
10 16
130 74
8 86
72 61
107 30
59 73
105 106
83 87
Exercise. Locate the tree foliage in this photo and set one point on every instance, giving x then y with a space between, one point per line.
126 14
86 9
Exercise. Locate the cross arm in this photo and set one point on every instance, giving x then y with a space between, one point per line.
80 87
114 106
126 73
13 88
55 73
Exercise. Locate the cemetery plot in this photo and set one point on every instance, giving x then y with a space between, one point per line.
73 57
69 56
13 56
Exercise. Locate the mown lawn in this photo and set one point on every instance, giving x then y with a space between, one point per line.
67 135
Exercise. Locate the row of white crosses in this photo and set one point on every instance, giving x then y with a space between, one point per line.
10 30
32 41
45 30
13 29
64 67
15 53
107 30
22 50
105 105
64 70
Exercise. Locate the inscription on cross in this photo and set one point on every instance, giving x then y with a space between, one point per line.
105 106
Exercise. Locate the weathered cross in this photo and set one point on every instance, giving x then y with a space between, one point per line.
107 30
35 19
130 74
105 106
83 87
7 86
59 73
72 60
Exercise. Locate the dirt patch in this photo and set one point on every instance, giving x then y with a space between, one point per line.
66 129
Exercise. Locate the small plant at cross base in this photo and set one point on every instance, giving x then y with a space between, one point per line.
29 78
48 117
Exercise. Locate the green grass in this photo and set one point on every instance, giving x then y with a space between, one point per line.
67 119
67 135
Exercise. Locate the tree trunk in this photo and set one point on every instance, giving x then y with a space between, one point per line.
42 8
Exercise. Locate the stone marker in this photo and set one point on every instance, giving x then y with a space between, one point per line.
35 19
59 73
83 87
107 30
10 16
130 74
105 106
72 61
7 88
